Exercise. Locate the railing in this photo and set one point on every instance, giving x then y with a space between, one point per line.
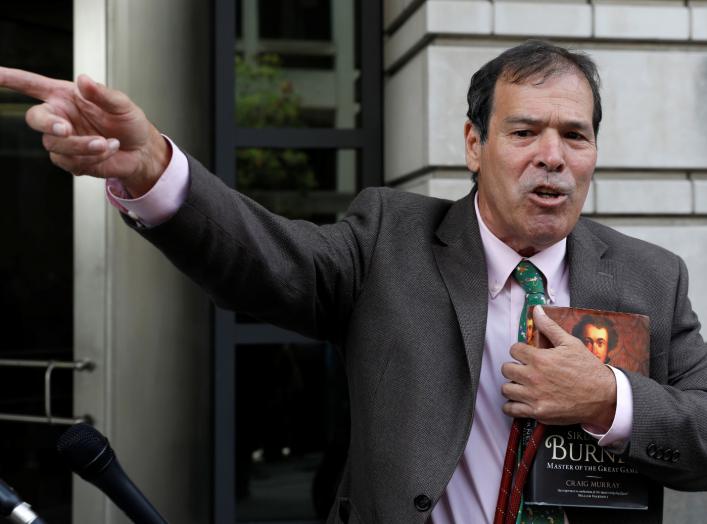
50 365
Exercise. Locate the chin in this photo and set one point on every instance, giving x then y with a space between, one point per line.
543 235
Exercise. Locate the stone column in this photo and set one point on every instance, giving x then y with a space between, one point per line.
144 325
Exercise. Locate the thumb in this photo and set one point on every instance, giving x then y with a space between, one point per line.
109 100
549 328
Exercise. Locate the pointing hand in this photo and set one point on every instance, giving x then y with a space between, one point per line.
89 129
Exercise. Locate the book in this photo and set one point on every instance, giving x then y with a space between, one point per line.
570 468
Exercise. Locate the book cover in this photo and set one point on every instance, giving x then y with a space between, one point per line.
570 468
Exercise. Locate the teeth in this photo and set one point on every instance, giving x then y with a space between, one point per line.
546 195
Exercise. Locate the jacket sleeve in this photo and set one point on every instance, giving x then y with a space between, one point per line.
669 435
290 273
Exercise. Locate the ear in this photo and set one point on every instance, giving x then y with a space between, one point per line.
473 147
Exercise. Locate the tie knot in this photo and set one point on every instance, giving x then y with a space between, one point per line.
531 280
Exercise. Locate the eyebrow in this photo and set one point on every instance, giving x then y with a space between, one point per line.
530 121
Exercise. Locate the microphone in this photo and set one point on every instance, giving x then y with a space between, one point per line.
90 456
13 508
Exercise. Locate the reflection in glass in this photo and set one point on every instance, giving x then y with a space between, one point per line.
297 66
292 430
36 266
311 184
309 47
264 97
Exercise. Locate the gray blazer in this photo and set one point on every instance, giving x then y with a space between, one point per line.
400 286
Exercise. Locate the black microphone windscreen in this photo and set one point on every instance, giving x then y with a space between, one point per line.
86 450
89 454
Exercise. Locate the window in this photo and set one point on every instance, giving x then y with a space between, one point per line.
36 267
298 128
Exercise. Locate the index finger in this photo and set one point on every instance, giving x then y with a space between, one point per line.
30 84
522 352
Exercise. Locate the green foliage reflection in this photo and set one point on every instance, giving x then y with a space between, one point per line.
264 98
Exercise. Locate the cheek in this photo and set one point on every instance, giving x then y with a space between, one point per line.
583 182
506 170
583 170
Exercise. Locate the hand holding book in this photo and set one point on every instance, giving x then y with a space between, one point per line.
558 385
571 468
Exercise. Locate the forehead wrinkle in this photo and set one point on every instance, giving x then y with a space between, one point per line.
574 95
533 121
523 119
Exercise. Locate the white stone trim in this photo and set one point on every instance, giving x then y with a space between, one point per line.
542 19
653 22
643 193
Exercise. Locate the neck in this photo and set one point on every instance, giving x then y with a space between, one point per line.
525 252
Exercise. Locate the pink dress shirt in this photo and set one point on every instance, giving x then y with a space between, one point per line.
470 496
162 201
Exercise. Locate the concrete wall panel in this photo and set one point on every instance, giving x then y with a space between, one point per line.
643 194
669 21
448 185
654 114
392 9
460 17
405 38
448 17
698 22
644 126
699 191
405 107
450 69
542 19
143 323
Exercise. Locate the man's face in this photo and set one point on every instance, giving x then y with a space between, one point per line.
529 330
537 163
597 340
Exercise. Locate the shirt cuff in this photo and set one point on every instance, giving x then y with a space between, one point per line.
616 439
161 202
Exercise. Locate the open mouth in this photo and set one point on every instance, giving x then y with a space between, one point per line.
548 196
544 193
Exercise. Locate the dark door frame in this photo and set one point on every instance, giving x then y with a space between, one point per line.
367 139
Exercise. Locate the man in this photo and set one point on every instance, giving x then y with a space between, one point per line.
598 334
417 290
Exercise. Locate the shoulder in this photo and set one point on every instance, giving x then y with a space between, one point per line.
395 203
625 248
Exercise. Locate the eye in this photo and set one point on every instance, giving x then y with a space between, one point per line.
573 135
523 133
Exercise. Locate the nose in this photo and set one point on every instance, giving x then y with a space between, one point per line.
550 155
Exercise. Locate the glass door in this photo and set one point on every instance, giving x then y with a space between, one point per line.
36 266
298 129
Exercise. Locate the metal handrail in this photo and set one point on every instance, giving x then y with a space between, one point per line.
50 365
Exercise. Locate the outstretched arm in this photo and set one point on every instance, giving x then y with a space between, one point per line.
89 129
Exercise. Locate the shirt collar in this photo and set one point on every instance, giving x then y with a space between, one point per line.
501 260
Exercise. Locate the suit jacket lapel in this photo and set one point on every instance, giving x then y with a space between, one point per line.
460 258
594 277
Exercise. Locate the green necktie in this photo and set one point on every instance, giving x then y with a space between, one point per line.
531 280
